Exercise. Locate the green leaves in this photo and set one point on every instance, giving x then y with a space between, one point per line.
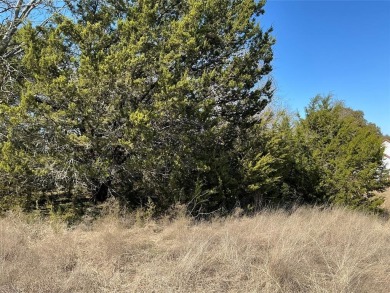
142 100
344 150
163 101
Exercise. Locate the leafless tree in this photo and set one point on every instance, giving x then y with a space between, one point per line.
13 15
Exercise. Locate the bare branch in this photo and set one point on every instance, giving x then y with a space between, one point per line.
19 13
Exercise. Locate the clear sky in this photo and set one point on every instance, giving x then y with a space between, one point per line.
332 47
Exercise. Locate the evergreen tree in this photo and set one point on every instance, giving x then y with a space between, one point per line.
268 161
338 156
140 99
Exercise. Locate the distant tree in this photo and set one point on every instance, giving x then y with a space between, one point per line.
338 156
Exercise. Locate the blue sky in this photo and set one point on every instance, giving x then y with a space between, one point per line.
332 47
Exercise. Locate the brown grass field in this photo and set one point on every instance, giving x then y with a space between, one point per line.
309 250
386 195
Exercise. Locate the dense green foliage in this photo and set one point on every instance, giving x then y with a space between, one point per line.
138 100
337 157
162 102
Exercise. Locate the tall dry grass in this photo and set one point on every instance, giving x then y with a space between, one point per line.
310 250
386 195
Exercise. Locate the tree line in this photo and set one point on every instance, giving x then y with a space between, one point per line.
165 102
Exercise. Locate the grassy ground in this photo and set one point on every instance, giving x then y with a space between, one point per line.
386 204
310 250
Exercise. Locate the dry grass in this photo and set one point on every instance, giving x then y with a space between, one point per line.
386 195
307 251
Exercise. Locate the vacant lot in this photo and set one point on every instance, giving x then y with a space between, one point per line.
310 250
